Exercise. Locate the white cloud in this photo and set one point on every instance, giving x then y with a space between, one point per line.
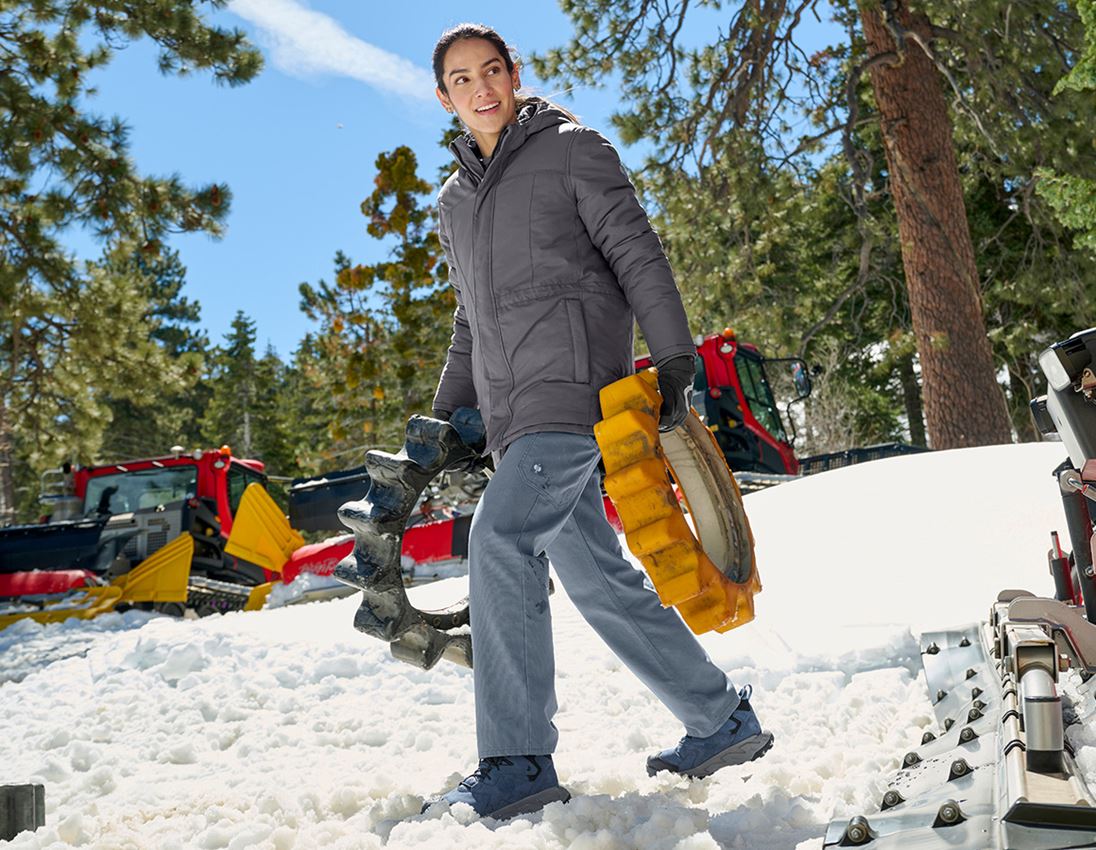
304 42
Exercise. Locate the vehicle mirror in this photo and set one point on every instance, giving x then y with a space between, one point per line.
801 377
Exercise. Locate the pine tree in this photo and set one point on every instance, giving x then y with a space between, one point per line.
64 167
384 327
95 349
707 109
1071 191
234 386
151 424
964 406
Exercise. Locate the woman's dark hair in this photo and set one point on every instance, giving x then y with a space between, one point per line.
463 31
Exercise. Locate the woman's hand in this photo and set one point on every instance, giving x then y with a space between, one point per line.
675 383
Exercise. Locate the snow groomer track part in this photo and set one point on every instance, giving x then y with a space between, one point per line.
710 576
999 772
420 638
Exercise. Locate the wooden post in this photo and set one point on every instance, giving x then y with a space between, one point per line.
22 807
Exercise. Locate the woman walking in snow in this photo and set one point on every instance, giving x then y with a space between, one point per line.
551 256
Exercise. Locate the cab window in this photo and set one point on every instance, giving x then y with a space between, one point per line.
140 489
755 387
239 477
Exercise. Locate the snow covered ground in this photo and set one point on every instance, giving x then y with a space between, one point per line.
287 730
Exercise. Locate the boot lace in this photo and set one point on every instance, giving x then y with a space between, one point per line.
482 772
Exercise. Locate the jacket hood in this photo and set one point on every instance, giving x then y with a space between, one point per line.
534 116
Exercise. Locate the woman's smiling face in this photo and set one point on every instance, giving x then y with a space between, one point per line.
479 88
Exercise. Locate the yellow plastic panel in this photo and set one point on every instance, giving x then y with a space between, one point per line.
650 538
260 532
744 612
708 610
641 509
87 603
162 576
644 475
655 529
674 571
636 392
627 438
257 598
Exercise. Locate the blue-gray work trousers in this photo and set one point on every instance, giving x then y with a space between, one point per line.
545 497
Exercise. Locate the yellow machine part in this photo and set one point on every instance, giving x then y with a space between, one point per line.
260 532
257 598
86 603
710 576
162 576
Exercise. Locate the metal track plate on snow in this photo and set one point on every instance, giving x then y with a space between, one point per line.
968 783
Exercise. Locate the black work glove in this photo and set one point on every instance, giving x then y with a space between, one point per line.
675 384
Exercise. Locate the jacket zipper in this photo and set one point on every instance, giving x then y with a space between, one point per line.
484 187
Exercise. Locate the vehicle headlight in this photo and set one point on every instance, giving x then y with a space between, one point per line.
1052 367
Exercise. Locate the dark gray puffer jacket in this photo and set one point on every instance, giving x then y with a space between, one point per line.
551 255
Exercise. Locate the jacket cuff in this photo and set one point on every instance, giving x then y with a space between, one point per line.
676 351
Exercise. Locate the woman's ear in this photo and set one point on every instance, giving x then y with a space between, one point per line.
444 100
515 76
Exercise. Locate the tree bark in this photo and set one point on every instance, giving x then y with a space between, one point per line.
964 405
1022 419
911 396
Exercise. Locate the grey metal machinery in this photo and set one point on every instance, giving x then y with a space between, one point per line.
998 771
1070 402
1069 410
1011 692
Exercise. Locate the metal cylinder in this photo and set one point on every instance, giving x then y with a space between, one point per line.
1059 570
1079 525
1042 708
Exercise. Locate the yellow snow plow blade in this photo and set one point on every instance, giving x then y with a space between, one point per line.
710 576
257 598
260 532
162 576
86 603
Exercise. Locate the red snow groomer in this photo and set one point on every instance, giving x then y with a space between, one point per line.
190 530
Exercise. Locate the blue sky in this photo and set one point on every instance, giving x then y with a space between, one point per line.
343 82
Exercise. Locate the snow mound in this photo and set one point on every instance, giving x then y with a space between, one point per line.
287 730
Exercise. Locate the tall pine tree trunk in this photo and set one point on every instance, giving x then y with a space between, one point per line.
1020 410
964 406
7 478
911 397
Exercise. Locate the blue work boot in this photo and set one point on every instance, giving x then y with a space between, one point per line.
737 741
505 786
